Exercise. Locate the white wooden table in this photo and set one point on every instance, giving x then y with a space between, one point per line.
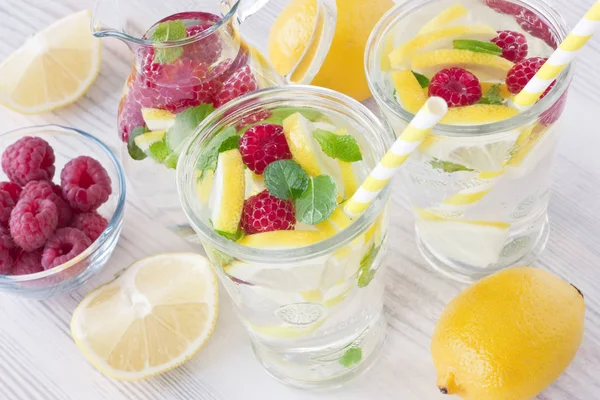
38 359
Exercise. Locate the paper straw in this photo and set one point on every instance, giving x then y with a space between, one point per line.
561 57
428 116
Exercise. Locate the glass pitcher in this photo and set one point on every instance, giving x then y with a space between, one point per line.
190 58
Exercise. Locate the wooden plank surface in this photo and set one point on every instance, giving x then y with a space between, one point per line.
38 359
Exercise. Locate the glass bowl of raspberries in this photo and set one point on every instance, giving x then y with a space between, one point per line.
62 194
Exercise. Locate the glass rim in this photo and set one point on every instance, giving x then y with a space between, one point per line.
168 44
113 223
247 104
372 62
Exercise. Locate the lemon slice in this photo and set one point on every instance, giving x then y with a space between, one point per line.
145 140
474 243
228 191
485 86
52 69
479 154
449 16
282 239
158 120
152 318
478 114
439 39
409 92
487 67
254 183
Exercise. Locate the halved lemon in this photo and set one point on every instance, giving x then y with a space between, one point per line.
154 317
228 192
157 119
486 67
439 39
449 16
52 69
409 92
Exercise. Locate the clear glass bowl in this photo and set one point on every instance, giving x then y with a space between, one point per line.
69 143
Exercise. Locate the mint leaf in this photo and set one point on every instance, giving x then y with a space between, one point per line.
285 179
492 96
448 166
365 272
478 46
186 123
171 160
318 201
165 32
352 356
134 151
232 142
159 151
422 79
210 154
231 236
342 147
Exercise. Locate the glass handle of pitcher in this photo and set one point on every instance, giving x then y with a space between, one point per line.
318 46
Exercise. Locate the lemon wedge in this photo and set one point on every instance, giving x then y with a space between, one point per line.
158 120
228 191
254 183
439 39
145 140
449 16
478 114
408 90
154 317
486 67
282 239
456 239
52 69
204 185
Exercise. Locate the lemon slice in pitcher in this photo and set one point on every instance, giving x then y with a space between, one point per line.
152 318
52 69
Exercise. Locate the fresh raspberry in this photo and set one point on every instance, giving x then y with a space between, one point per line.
13 190
92 224
263 144
504 6
64 245
6 248
513 44
457 86
239 83
85 184
32 222
535 26
6 206
28 159
521 73
264 213
50 191
208 49
28 263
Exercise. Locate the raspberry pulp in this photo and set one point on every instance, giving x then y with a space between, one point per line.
13 190
92 224
513 44
6 248
64 245
28 263
457 86
85 184
264 213
263 144
50 191
32 222
6 206
521 73
239 83
28 159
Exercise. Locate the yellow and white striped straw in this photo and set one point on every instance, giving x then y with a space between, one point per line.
428 116
561 57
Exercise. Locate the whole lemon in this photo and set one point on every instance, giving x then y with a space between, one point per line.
508 336
343 69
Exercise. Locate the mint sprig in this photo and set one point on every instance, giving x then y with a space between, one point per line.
342 147
352 356
492 96
365 272
448 166
285 179
208 158
318 201
165 32
422 79
478 46
232 142
134 151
